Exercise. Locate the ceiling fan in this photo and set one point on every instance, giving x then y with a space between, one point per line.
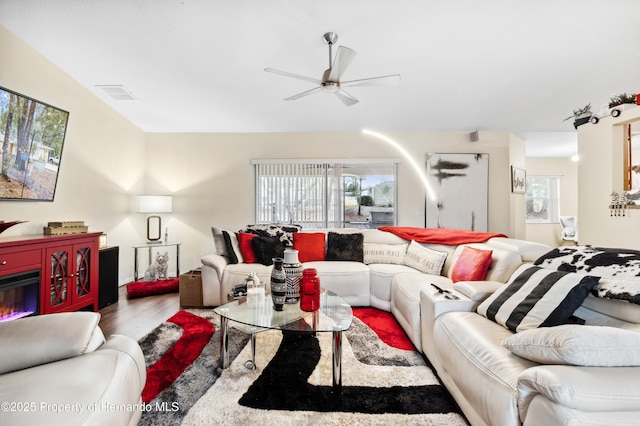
330 82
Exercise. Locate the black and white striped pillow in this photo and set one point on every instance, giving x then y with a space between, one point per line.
537 297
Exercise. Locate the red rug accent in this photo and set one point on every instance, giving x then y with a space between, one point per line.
197 332
149 288
385 326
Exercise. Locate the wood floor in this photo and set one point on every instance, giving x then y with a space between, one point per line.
137 317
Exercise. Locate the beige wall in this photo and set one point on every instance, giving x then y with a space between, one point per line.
212 178
102 164
600 173
567 171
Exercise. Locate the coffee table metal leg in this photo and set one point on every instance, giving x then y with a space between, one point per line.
337 359
251 364
224 342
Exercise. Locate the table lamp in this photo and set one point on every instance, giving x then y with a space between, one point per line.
154 204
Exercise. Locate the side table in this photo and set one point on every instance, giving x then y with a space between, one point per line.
149 248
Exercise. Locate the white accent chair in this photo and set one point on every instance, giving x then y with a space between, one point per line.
569 230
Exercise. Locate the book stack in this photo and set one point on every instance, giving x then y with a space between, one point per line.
70 227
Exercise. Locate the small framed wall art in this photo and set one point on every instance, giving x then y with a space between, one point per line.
518 180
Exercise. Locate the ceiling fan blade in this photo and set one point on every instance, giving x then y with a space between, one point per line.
386 80
292 75
346 98
343 59
306 93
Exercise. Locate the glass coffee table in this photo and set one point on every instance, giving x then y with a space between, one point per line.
256 313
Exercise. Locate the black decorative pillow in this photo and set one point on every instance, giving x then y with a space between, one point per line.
537 297
266 248
282 232
346 247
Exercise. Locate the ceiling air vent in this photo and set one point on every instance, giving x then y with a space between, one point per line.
118 92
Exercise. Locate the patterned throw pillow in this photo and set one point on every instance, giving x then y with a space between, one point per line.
424 259
537 297
232 247
282 232
384 253
620 268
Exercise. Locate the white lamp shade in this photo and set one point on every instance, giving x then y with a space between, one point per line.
154 203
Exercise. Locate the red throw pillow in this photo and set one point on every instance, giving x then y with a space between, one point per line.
246 248
310 246
472 265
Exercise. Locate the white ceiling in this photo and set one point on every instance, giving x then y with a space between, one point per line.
197 65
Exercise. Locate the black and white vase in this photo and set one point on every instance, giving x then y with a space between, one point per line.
278 284
293 270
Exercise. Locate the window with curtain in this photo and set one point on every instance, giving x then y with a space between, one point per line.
326 193
543 199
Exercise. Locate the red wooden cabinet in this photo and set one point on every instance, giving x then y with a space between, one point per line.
68 266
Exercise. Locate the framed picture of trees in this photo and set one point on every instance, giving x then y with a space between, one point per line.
31 140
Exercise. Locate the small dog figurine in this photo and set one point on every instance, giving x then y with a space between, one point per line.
158 269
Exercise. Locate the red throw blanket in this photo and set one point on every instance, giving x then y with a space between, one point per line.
449 237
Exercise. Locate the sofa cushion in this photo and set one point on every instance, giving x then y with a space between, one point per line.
266 248
237 274
471 265
218 241
528 250
232 247
474 365
349 280
380 276
345 247
537 297
246 247
282 232
310 246
28 342
572 344
425 259
384 253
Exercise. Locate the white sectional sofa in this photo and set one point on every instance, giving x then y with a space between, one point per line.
491 384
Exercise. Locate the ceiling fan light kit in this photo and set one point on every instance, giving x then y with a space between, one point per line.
330 82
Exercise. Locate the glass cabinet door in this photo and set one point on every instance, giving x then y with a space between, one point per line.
83 272
58 278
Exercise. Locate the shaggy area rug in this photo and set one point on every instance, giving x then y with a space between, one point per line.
292 383
150 288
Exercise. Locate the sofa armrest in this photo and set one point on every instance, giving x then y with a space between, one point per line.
589 389
434 304
32 341
215 261
130 348
477 290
